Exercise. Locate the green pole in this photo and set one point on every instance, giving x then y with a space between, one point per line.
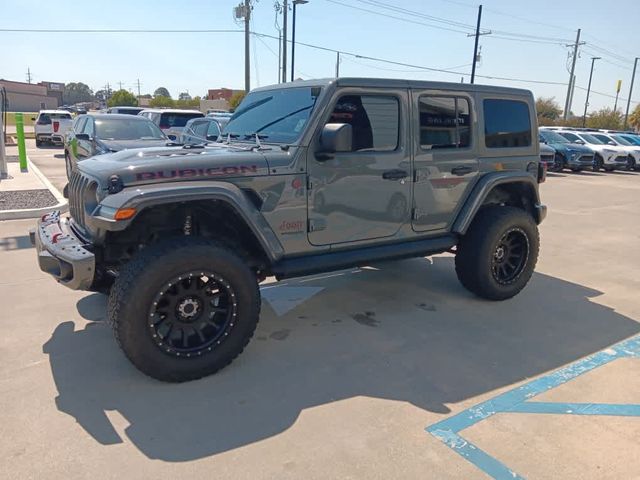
22 151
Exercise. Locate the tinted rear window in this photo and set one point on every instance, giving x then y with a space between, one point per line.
58 116
168 120
507 124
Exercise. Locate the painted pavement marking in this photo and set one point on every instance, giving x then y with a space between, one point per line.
516 401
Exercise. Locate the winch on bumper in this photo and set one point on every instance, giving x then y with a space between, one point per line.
61 253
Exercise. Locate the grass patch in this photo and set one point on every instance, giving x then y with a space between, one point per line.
11 118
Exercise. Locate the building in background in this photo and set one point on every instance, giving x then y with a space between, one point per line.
54 89
218 98
29 97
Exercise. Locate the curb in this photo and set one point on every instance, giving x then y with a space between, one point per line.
21 214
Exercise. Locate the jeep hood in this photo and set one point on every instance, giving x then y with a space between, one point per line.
169 164
117 145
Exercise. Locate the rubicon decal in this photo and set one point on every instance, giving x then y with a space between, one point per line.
198 172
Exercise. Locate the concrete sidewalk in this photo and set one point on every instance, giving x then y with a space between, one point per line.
27 194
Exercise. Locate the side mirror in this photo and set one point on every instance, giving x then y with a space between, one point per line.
579 142
611 143
335 137
212 138
83 136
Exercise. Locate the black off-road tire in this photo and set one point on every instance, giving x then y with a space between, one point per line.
67 165
38 143
598 162
477 248
559 163
138 284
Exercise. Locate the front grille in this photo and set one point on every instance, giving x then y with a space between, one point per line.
547 158
77 187
621 159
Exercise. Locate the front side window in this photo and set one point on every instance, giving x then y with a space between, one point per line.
374 120
444 122
507 123
88 127
591 139
213 130
80 121
552 137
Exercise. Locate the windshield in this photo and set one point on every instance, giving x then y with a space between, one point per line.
552 137
278 116
621 140
170 120
125 129
632 139
590 139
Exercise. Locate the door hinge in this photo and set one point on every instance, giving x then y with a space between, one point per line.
309 183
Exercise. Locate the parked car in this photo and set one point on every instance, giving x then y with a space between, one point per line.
181 238
548 157
171 121
632 150
574 156
104 133
202 130
126 110
51 126
606 157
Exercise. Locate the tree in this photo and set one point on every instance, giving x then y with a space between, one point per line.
77 93
122 98
161 92
235 100
161 101
634 118
191 103
184 96
548 110
605 118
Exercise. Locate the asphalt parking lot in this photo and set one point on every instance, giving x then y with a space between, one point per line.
390 371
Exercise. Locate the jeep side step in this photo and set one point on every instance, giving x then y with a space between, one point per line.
325 262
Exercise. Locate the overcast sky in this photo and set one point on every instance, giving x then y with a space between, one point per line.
195 62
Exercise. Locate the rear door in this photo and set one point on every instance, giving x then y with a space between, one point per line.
446 161
364 193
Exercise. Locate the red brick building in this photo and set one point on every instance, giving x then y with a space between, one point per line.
221 94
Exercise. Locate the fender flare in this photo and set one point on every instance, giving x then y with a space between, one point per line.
483 188
145 196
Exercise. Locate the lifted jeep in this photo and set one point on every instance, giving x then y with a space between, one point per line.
307 177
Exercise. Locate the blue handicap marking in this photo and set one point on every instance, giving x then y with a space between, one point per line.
518 401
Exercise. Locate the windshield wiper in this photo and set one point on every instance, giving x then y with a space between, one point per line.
284 117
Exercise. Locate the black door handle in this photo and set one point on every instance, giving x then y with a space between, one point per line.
395 174
461 170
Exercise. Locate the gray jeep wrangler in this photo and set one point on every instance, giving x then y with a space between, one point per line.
307 177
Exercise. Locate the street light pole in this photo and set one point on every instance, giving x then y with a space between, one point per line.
633 76
586 102
285 8
293 35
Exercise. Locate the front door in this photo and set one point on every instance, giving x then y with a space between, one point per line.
446 165
364 193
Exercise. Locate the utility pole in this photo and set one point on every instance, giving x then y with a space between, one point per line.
119 85
337 64
633 76
586 102
567 104
285 9
475 47
28 75
247 64
138 85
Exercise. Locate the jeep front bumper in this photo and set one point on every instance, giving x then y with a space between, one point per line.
62 254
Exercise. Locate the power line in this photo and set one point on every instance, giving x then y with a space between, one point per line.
386 15
110 30
377 3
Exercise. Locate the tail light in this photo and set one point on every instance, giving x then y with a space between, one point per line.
56 126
